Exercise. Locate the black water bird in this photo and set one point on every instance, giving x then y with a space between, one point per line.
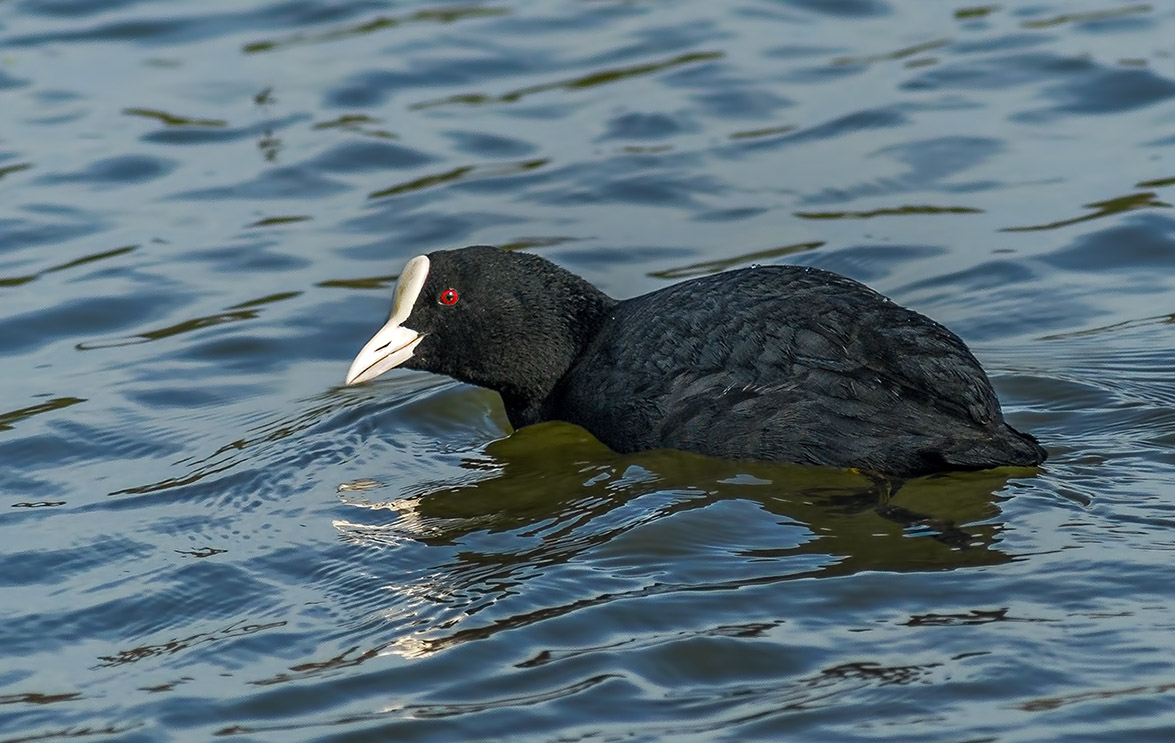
782 363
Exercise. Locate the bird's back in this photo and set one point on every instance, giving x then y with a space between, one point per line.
792 364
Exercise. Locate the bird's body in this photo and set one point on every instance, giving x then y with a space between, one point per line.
780 363
797 361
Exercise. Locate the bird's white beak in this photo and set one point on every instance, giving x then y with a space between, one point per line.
393 344
387 349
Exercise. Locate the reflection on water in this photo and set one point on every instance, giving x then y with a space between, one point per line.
708 267
7 420
557 496
891 211
1127 203
591 80
1093 15
238 312
203 534
18 280
464 172
168 119
540 472
380 23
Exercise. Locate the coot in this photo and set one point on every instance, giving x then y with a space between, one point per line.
783 363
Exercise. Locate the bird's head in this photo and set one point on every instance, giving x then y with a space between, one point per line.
512 322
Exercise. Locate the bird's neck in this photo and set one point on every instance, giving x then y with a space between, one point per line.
529 398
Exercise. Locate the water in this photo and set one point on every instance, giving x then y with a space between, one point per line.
204 536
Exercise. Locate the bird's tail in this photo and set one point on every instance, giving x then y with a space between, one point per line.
1009 448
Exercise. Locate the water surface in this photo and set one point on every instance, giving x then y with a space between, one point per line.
204 536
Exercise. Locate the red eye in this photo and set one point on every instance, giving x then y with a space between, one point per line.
449 296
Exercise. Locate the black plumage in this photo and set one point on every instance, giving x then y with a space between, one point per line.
782 363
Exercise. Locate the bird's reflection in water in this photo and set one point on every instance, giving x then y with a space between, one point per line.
550 495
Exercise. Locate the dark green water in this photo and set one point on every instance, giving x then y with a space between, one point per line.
203 536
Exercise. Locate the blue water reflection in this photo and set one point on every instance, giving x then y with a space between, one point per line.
203 206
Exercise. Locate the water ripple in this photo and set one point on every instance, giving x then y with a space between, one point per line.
204 534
